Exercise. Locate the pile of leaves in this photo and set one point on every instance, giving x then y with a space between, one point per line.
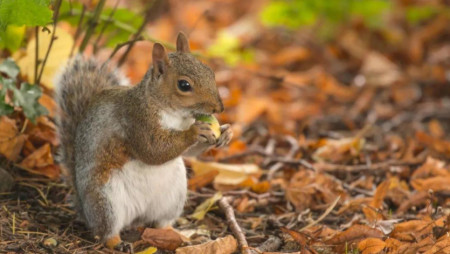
341 132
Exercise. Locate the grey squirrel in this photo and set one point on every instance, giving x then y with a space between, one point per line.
123 144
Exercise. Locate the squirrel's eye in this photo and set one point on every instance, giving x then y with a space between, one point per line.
184 86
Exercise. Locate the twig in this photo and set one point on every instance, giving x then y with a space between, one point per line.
137 34
105 25
329 209
385 165
78 31
36 56
120 45
52 39
92 24
294 148
234 226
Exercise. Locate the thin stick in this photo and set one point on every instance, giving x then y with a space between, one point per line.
53 38
105 25
234 226
329 209
36 56
92 24
137 34
120 45
78 32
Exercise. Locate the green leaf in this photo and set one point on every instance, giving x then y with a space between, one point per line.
5 108
12 37
24 12
10 68
27 98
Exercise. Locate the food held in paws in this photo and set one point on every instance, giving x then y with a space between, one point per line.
215 126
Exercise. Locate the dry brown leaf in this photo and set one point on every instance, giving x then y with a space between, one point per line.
225 245
379 70
165 239
49 104
44 131
202 180
355 232
11 141
251 108
411 230
308 189
417 199
441 246
40 158
337 150
291 55
437 183
431 167
436 129
437 144
392 245
371 246
416 247
298 237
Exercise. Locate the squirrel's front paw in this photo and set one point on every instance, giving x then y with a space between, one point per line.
225 136
204 133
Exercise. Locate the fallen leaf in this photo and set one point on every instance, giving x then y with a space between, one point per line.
202 180
431 167
291 55
436 144
229 174
41 162
411 230
251 108
165 239
436 129
225 245
379 70
355 232
337 150
11 141
149 250
437 183
206 206
441 246
371 246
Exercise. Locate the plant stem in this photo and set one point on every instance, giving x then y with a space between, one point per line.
138 33
36 56
78 32
55 21
92 24
105 25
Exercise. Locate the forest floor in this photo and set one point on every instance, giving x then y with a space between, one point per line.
339 147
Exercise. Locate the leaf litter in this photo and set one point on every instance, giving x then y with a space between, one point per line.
339 146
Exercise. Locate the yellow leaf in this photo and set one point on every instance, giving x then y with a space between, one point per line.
58 55
149 250
206 206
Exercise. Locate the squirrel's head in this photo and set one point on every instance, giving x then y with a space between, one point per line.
183 82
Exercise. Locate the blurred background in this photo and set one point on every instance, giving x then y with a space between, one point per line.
331 102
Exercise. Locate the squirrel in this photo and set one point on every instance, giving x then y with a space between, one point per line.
123 144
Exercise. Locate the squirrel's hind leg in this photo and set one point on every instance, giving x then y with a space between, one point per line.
100 217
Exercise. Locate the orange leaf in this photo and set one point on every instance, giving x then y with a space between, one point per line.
11 141
355 232
437 183
202 180
371 245
291 55
251 108
40 158
166 239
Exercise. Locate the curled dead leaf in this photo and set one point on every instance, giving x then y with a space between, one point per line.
225 245
371 246
11 141
165 239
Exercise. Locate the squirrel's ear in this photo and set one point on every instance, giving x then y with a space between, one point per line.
160 60
182 43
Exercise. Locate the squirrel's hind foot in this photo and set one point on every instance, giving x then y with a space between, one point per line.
116 243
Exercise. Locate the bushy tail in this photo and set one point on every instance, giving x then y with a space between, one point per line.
75 87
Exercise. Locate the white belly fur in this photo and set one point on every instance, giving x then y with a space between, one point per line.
151 194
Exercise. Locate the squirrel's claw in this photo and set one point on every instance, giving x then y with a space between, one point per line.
205 134
226 136
124 247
